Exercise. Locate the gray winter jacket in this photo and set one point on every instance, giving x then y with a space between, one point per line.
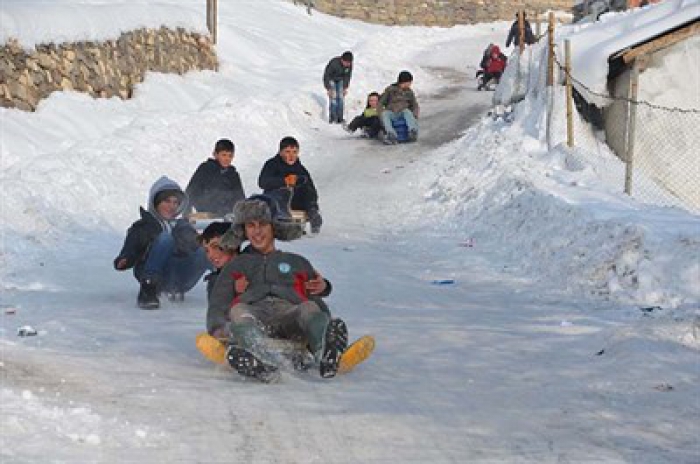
335 71
278 274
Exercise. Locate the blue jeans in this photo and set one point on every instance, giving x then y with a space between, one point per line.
388 116
335 112
174 273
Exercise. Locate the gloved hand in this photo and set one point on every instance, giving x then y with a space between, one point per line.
290 180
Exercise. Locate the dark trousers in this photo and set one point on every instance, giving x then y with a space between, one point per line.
372 123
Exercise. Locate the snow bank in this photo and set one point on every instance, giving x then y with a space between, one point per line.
559 215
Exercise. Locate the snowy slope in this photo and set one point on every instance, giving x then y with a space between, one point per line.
538 352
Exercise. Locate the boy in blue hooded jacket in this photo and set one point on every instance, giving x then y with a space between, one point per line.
162 247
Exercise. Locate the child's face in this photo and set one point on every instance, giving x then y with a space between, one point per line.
261 236
290 155
224 158
167 209
373 101
405 85
216 255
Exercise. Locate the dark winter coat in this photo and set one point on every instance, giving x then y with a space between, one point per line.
277 274
335 71
214 189
272 178
144 231
396 99
514 34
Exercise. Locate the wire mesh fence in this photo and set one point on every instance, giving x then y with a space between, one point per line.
658 144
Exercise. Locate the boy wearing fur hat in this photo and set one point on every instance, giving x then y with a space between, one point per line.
162 247
284 172
282 299
216 186
398 100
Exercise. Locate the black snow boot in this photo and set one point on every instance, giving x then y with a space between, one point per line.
315 220
148 294
246 364
334 344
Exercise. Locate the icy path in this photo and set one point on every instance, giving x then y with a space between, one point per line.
489 369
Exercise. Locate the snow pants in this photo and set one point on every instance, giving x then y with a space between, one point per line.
251 324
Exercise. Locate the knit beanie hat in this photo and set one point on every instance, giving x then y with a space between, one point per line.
405 76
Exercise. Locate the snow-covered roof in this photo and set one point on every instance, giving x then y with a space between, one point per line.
592 44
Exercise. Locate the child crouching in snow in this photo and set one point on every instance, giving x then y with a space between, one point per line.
369 119
162 247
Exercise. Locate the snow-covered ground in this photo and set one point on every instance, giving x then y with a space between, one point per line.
570 334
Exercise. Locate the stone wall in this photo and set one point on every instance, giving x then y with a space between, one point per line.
102 69
436 12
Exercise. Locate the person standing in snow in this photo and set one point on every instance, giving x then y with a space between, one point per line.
514 33
282 299
162 247
399 101
216 186
284 173
336 80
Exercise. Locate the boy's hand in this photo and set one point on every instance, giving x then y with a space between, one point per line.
316 285
290 180
240 285
121 264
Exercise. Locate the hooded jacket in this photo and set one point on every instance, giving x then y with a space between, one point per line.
144 231
214 189
278 274
493 61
